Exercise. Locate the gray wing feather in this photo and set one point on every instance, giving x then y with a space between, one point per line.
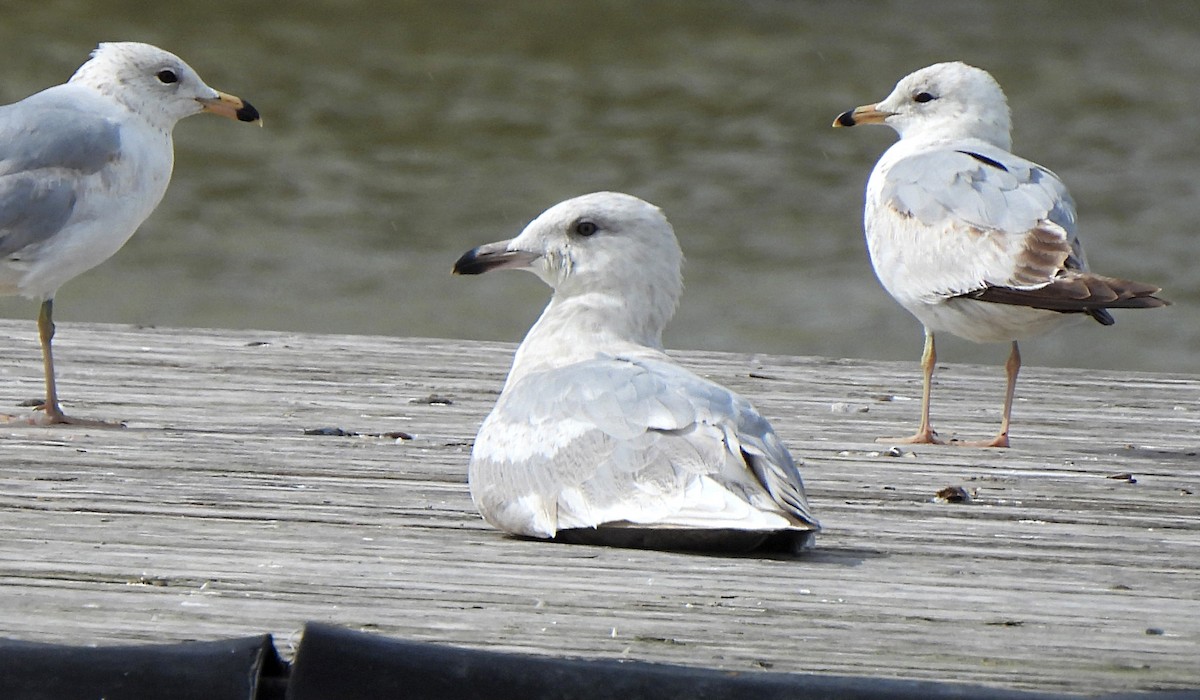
994 220
640 430
1000 192
32 210
774 466
46 149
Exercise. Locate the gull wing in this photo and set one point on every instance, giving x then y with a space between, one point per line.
48 147
635 442
980 222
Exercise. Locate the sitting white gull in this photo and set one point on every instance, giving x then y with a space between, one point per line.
83 164
598 436
969 238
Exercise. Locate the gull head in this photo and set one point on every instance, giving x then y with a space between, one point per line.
156 84
941 102
604 249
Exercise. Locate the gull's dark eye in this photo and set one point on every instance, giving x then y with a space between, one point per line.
167 76
585 228
923 97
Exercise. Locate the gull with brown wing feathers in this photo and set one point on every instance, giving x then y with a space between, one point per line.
969 238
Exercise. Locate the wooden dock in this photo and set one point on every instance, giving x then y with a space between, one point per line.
268 479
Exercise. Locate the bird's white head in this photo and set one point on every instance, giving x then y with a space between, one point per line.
156 84
946 100
606 247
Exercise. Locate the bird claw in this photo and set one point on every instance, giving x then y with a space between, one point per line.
921 437
1000 440
62 419
48 419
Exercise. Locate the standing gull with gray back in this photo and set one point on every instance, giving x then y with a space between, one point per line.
83 164
969 238
598 436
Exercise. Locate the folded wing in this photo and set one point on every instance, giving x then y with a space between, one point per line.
1003 230
632 442
46 151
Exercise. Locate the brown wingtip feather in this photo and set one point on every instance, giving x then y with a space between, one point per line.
1080 292
1047 254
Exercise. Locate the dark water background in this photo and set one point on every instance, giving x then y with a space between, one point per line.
400 134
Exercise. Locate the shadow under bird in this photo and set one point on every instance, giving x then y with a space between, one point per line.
598 436
83 164
969 238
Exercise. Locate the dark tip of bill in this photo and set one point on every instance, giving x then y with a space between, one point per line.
845 118
468 264
247 113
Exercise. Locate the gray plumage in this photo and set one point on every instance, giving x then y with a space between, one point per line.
970 238
47 149
980 185
642 429
598 436
83 164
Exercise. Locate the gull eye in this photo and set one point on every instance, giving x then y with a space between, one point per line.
923 97
584 228
167 76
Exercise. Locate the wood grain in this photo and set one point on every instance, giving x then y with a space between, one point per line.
213 514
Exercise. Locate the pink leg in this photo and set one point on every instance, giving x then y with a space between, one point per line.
1011 368
925 434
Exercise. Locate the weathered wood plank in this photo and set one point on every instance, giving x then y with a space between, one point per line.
212 515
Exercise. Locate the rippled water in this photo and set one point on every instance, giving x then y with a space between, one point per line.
400 134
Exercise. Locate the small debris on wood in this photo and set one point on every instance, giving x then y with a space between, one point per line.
760 375
658 640
433 400
1123 476
953 494
257 343
1155 631
335 432
891 452
342 432
32 403
843 407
